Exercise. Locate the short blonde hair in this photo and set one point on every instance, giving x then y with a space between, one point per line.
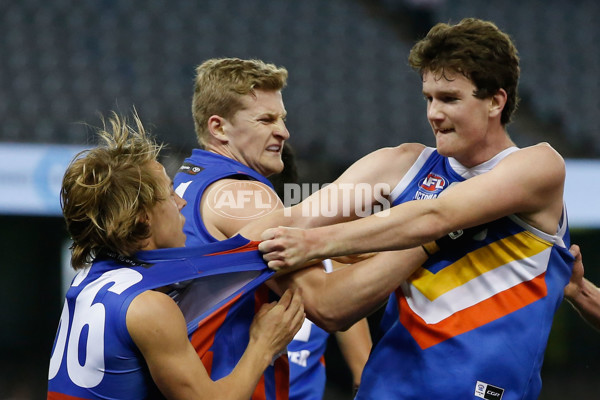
220 83
106 192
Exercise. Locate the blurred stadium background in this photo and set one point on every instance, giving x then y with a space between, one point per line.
350 91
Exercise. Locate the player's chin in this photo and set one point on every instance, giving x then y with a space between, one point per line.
181 242
182 238
272 168
443 145
278 168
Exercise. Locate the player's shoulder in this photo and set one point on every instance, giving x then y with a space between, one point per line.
540 164
230 204
240 181
228 188
386 165
540 147
404 149
150 305
406 153
152 319
151 301
542 153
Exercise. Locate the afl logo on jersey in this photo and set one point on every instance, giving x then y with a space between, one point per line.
430 187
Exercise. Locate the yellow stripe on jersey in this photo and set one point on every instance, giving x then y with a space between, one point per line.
496 254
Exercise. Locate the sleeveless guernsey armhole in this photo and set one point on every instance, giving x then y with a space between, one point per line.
556 239
412 172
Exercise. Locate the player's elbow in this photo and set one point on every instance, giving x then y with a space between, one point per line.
332 319
332 325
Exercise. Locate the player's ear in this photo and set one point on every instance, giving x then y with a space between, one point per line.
497 103
217 128
143 218
143 222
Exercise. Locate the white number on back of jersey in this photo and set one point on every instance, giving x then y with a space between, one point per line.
90 315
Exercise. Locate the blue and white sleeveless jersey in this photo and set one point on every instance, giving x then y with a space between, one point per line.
199 171
306 354
94 357
473 321
223 351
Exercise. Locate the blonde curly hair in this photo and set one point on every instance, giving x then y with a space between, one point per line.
107 191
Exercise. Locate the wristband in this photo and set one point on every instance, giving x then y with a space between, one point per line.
431 248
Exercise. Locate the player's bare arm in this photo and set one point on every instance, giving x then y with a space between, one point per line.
336 300
158 328
232 206
582 294
379 171
528 183
373 176
365 285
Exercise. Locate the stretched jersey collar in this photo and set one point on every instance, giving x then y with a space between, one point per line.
206 155
481 168
120 258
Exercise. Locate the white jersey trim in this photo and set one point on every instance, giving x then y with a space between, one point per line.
412 172
481 168
476 290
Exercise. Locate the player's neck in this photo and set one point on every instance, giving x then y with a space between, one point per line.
485 151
